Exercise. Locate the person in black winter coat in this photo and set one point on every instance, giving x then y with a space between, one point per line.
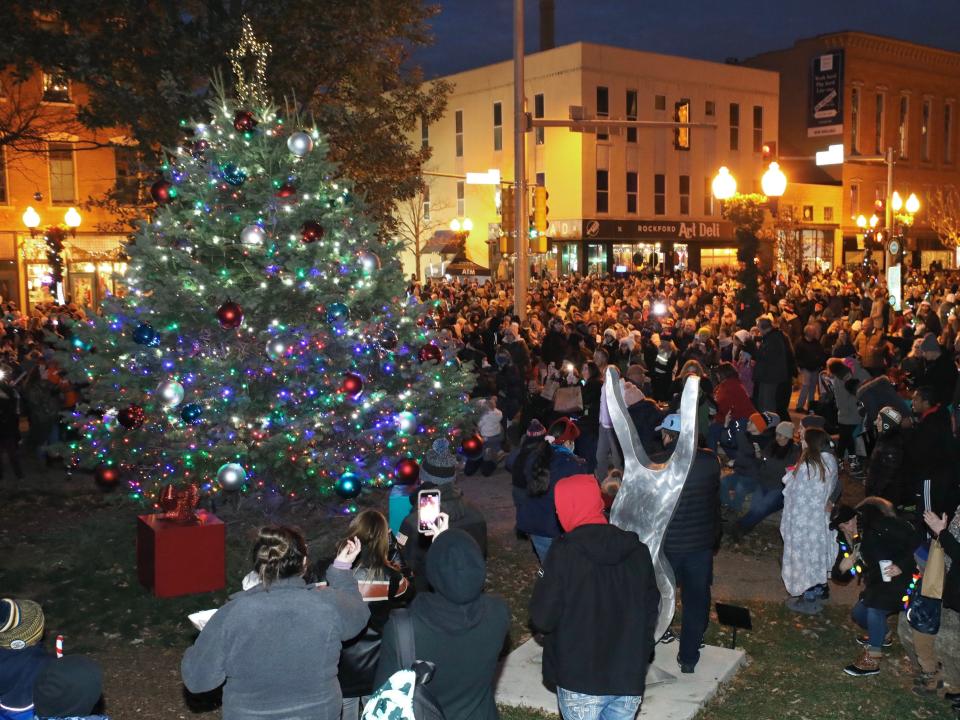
884 474
774 370
597 605
10 427
930 454
886 555
692 536
811 360
554 347
458 627
511 390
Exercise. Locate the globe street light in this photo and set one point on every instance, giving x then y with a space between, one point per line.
724 185
773 182
913 204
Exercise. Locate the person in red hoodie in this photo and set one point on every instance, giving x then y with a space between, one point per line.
596 603
733 403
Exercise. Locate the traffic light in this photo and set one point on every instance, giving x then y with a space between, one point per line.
769 151
508 210
540 209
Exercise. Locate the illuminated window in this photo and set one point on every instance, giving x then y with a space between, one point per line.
717 258
60 158
56 87
631 115
925 109
632 193
458 129
538 113
659 194
681 135
603 191
684 194
734 126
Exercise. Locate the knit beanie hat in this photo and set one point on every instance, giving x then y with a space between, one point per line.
68 687
771 418
440 464
890 418
759 421
786 429
536 429
21 623
565 430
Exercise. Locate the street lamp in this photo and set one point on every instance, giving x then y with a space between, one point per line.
913 204
724 185
773 182
53 237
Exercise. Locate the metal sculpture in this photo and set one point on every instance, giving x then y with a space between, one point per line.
649 492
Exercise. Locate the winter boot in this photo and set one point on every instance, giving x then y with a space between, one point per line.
867 664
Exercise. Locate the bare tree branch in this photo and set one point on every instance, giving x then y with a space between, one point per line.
943 214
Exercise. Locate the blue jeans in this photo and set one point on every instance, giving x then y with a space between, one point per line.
541 546
577 706
809 379
872 620
763 503
694 573
740 486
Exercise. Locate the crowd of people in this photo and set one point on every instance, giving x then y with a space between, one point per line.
830 407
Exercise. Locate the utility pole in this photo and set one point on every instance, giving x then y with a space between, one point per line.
522 268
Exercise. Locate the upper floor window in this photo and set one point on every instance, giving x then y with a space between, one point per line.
948 133
925 110
3 175
497 126
631 115
681 135
758 128
659 102
855 121
734 126
603 107
56 87
710 108
424 133
881 110
632 193
603 191
126 162
62 176
538 110
461 199
458 130
903 126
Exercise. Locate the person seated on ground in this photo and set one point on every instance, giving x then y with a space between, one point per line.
69 688
275 647
885 554
438 470
384 587
554 460
760 476
490 427
740 438
596 603
732 403
456 626
690 541
805 524
22 656
884 477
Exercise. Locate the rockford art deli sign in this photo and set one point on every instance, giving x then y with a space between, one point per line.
662 229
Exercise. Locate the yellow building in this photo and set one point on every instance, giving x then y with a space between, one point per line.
870 93
65 166
618 199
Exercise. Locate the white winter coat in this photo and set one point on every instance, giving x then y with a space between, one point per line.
808 543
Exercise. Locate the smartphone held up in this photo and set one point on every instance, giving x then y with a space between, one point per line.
428 510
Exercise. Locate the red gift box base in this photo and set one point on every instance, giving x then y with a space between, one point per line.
181 559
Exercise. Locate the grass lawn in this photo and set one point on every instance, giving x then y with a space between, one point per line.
77 556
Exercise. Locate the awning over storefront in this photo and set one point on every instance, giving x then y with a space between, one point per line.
443 242
460 265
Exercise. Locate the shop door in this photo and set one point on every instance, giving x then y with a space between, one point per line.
83 290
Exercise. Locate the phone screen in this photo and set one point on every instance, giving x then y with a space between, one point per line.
428 509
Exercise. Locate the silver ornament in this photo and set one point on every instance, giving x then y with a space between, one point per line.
649 492
231 476
277 348
300 143
253 235
369 262
170 393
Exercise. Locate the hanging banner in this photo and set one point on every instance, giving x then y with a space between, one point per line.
825 116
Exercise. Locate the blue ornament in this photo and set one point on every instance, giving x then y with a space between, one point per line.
337 312
348 485
144 334
232 175
192 413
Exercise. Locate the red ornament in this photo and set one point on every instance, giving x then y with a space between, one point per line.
472 446
430 352
131 417
230 315
311 231
407 471
352 385
163 191
106 475
244 121
287 192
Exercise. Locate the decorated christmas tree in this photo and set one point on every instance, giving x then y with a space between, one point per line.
265 341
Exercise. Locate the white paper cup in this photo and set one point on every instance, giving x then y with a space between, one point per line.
884 564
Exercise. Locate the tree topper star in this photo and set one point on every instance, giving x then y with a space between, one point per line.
252 92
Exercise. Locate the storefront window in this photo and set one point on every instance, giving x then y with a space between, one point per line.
635 256
717 258
596 259
38 284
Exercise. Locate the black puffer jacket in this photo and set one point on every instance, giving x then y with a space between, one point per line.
696 521
884 474
890 539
